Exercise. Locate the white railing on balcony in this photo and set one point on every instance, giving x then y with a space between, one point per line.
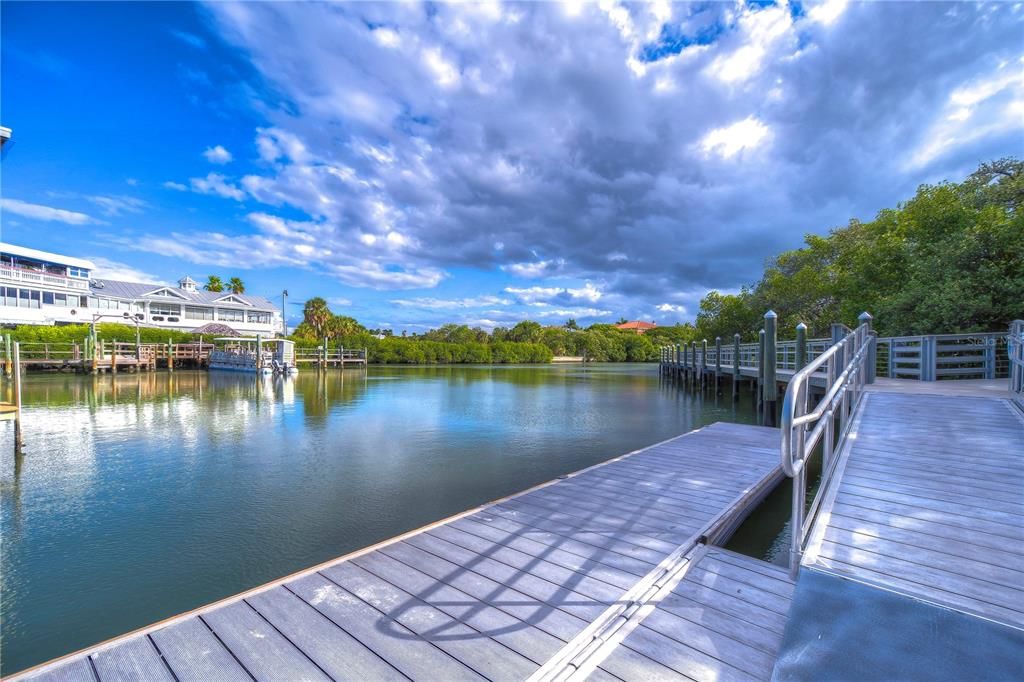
38 277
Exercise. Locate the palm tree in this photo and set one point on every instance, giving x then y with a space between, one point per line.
236 285
317 315
213 283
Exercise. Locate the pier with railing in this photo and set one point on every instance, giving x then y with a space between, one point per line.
906 551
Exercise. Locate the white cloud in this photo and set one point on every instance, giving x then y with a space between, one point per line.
217 184
451 304
170 184
115 206
671 308
828 11
111 269
444 71
573 312
44 213
749 133
984 106
541 268
218 155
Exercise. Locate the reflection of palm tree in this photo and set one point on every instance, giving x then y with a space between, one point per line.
236 285
214 283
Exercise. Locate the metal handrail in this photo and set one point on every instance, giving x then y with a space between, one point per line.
846 371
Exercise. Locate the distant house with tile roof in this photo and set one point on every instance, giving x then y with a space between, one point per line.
636 326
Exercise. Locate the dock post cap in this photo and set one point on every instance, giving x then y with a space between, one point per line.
802 326
770 315
865 316
760 333
736 335
717 339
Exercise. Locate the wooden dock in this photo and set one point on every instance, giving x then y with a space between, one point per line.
494 593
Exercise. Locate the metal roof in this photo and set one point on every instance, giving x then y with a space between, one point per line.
36 254
110 288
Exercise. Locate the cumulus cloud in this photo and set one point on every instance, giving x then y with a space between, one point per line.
660 149
217 184
217 155
44 213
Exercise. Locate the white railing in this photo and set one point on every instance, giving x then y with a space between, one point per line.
39 277
845 366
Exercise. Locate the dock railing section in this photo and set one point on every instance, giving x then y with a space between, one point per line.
933 357
1015 356
846 368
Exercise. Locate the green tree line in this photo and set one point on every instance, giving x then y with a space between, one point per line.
949 260
527 341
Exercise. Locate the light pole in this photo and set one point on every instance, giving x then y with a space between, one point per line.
284 311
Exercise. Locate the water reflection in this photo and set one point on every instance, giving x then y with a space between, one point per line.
140 496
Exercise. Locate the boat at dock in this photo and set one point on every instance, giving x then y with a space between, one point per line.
254 355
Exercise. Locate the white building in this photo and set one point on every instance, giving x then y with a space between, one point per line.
37 287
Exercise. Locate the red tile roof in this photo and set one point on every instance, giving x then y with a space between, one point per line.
636 324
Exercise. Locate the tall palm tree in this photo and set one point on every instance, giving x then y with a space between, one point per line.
214 283
317 315
236 285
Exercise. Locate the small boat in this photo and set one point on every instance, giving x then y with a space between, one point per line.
255 355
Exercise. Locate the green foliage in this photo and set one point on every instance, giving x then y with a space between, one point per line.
951 259
236 285
214 283
315 318
110 331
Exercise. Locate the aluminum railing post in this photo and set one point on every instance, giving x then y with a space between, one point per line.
735 366
770 387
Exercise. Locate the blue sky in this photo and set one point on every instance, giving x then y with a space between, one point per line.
422 163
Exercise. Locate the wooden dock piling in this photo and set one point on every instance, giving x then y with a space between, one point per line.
18 438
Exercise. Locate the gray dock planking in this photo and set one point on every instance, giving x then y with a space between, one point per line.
929 503
723 621
495 593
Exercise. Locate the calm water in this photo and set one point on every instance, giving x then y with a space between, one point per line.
142 496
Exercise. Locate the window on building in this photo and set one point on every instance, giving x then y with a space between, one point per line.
61 300
259 318
78 272
23 298
35 299
193 312
47 298
164 309
10 296
228 315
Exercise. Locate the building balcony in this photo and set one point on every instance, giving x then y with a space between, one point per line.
23 275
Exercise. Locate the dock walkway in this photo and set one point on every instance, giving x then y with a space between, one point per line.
929 502
494 593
